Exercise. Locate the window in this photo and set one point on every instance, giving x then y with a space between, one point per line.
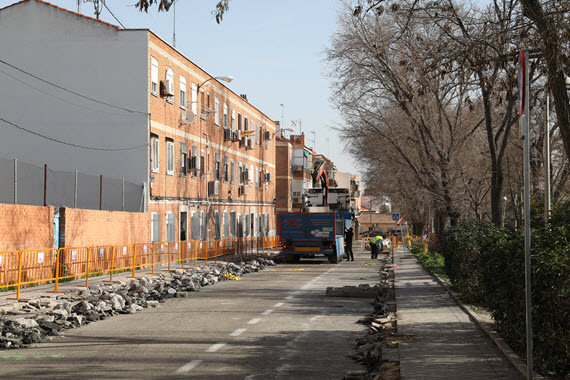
204 225
183 159
256 177
153 76
232 172
169 77
239 121
195 226
252 128
194 155
170 157
217 166
233 223
182 92
245 125
155 157
226 225
256 134
246 225
217 111
170 226
251 175
225 169
240 173
195 99
217 225
225 116
155 227
202 163
233 119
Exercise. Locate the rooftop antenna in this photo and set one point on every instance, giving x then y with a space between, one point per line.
314 141
96 5
174 31
79 6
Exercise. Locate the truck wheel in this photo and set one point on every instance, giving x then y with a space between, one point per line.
333 259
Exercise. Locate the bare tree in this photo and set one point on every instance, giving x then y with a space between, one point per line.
386 87
222 6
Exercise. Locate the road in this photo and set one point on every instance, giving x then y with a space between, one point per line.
276 324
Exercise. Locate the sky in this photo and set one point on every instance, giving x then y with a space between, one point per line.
273 49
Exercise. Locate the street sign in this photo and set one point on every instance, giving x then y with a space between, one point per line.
395 216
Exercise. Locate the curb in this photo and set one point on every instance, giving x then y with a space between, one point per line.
511 356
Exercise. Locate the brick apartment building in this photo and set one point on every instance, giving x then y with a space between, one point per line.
130 98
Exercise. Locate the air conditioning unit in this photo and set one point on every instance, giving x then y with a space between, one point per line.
267 135
296 200
244 140
249 144
168 88
214 188
237 135
297 168
228 134
194 163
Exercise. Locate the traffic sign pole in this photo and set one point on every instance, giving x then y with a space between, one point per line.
524 112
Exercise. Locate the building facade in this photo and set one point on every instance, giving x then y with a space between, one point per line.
82 94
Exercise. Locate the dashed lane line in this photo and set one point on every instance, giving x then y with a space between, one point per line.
253 321
238 332
278 304
267 312
188 366
215 347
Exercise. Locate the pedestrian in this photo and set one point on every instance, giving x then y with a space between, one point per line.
375 246
348 235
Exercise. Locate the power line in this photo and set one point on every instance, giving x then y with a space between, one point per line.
115 17
71 144
57 97
72 92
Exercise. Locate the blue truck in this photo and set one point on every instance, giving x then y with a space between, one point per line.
306 234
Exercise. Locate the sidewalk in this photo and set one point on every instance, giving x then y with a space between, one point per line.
443 342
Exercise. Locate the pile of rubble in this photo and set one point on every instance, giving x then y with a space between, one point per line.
22 324
375 349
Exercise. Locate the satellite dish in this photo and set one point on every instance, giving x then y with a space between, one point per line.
188 117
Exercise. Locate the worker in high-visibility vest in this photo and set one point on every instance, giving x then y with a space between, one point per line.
375 244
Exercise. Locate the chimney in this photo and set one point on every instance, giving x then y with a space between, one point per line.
244 97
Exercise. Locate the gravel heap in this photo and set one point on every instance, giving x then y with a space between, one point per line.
22 324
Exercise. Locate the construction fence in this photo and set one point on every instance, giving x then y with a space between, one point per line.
41 266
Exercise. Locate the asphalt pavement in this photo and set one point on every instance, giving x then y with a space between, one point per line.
275 324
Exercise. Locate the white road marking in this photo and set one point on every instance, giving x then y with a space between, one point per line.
279 304
238 332
188 366
253 321
267 312
289 297
215 347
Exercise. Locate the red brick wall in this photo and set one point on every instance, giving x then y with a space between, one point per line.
25 227
93 227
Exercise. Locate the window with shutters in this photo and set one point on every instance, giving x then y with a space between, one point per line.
170 227
195 232
183 159
170 157
226 225
217 166
182 92
233 120
155 154
217 111
155 227
204 235
225 116
233 224
194 157
239 121
217 226
225 168
232 172
195 99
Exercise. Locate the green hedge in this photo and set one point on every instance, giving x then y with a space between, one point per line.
486 264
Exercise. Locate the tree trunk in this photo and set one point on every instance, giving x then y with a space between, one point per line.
551 52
